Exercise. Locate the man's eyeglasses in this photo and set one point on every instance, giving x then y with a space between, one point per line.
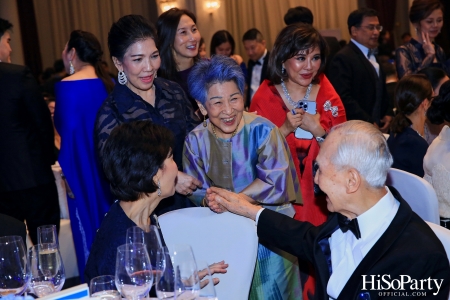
373 27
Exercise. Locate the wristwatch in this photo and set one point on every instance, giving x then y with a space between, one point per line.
320 139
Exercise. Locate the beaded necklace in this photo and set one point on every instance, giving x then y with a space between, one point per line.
288 97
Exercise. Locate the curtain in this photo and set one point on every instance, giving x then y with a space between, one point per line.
56 19
267 17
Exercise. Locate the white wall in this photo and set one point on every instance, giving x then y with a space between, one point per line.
8 11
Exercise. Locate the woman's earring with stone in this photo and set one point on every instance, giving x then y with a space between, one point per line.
71 68
204 121
159 188
283 70
122 78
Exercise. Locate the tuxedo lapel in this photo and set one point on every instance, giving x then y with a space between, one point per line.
264 67
384 244
370 69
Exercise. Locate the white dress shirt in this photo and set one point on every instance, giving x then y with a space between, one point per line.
256 75
372 58
347 251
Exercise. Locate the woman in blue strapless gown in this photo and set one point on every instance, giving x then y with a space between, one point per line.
78 98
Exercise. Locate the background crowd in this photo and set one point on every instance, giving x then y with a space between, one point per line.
254 128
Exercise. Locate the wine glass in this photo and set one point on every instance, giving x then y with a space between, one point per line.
134 276
14 270
148 235
47 235
165 276
104 287
207 289
47 271
187 282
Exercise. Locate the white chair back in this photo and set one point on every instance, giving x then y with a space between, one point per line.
443 235
213 238
419 194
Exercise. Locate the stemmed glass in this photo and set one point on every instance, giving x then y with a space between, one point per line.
207 289
134 276
148 235
187 282
104 287
47 234
14 270
165 276
47 270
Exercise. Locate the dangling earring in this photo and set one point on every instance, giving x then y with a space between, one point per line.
204 121
156 75
122 78
71 68
159 188
283 70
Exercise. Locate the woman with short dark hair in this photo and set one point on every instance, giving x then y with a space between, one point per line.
244 153
140 95
407 142
179 47
427 17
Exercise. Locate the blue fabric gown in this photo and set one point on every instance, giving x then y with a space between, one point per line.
77 103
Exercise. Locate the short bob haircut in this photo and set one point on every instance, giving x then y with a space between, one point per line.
434 75
219 69
439 111
220 37
299 14
410 92
291 40
4 26
167 25
364 148
127 31
356 17
133 154
421 9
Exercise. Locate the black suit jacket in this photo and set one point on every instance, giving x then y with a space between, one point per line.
264 75
407 247
26 131
358 85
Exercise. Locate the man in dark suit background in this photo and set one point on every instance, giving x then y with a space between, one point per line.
356 74
372 239
255 47
27 185
301 14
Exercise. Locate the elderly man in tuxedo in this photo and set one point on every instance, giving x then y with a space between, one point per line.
255 47
27 185
373 246
356 74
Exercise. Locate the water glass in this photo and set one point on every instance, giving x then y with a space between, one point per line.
164 275
148 235
14 270
134 276
47 234
207 289
187 282
104 287
46 270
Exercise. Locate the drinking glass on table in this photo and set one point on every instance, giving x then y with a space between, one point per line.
164 275
47 234
104 287
148 235
187 282
134 275
14 270
207 289
46 270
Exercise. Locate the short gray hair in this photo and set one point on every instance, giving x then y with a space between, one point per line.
364 148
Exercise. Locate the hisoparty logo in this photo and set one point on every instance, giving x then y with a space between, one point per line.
405 284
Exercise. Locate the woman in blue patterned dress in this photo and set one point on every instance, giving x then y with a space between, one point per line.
247 154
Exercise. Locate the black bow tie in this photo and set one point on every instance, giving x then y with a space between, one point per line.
345 224
257 62
371 52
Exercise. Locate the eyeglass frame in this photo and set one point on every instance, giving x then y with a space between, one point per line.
379 28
